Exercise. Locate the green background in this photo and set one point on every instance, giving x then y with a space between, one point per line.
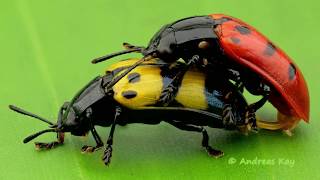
46 47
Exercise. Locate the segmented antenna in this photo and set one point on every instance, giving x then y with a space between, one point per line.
21 111
109 56
32 136
118 78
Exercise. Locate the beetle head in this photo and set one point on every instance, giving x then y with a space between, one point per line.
87 107
70 121
77 116
99 113
163 45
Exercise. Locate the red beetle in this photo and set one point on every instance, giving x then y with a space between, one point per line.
226 44
254 51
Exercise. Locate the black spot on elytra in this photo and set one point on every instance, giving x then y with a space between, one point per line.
235 40
243 30
292 71
129 94
270 49
133 77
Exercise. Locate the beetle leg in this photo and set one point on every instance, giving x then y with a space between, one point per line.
205 138
60 135
235 76
90 149
257 105
51 145
107 154
244 121
205 143
240 86
250 122
252 108
169 92
228 118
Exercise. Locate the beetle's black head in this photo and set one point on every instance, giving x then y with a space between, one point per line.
88 108
68 121
163 45
76 124
79 123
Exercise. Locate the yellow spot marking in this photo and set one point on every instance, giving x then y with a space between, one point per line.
148 88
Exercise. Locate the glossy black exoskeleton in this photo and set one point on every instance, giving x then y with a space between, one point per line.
93 106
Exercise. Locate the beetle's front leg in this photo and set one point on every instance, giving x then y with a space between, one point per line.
90 149
107 154
170 91
60 135
50 145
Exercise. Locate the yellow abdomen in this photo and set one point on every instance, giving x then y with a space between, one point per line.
144 85
141 87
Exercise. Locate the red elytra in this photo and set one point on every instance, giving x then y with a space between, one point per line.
245 45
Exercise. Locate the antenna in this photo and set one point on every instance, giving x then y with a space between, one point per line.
21 111
118 78
109 56
32 136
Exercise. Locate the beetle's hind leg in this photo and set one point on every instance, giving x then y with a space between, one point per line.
205 138
60 135
205 143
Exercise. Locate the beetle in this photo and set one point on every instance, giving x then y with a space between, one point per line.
248 57
134 99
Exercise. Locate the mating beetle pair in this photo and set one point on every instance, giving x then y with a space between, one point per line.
218 40
223 49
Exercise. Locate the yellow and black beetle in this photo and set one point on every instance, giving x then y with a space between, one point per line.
200 100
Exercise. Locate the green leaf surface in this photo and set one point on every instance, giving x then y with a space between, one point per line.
46 48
